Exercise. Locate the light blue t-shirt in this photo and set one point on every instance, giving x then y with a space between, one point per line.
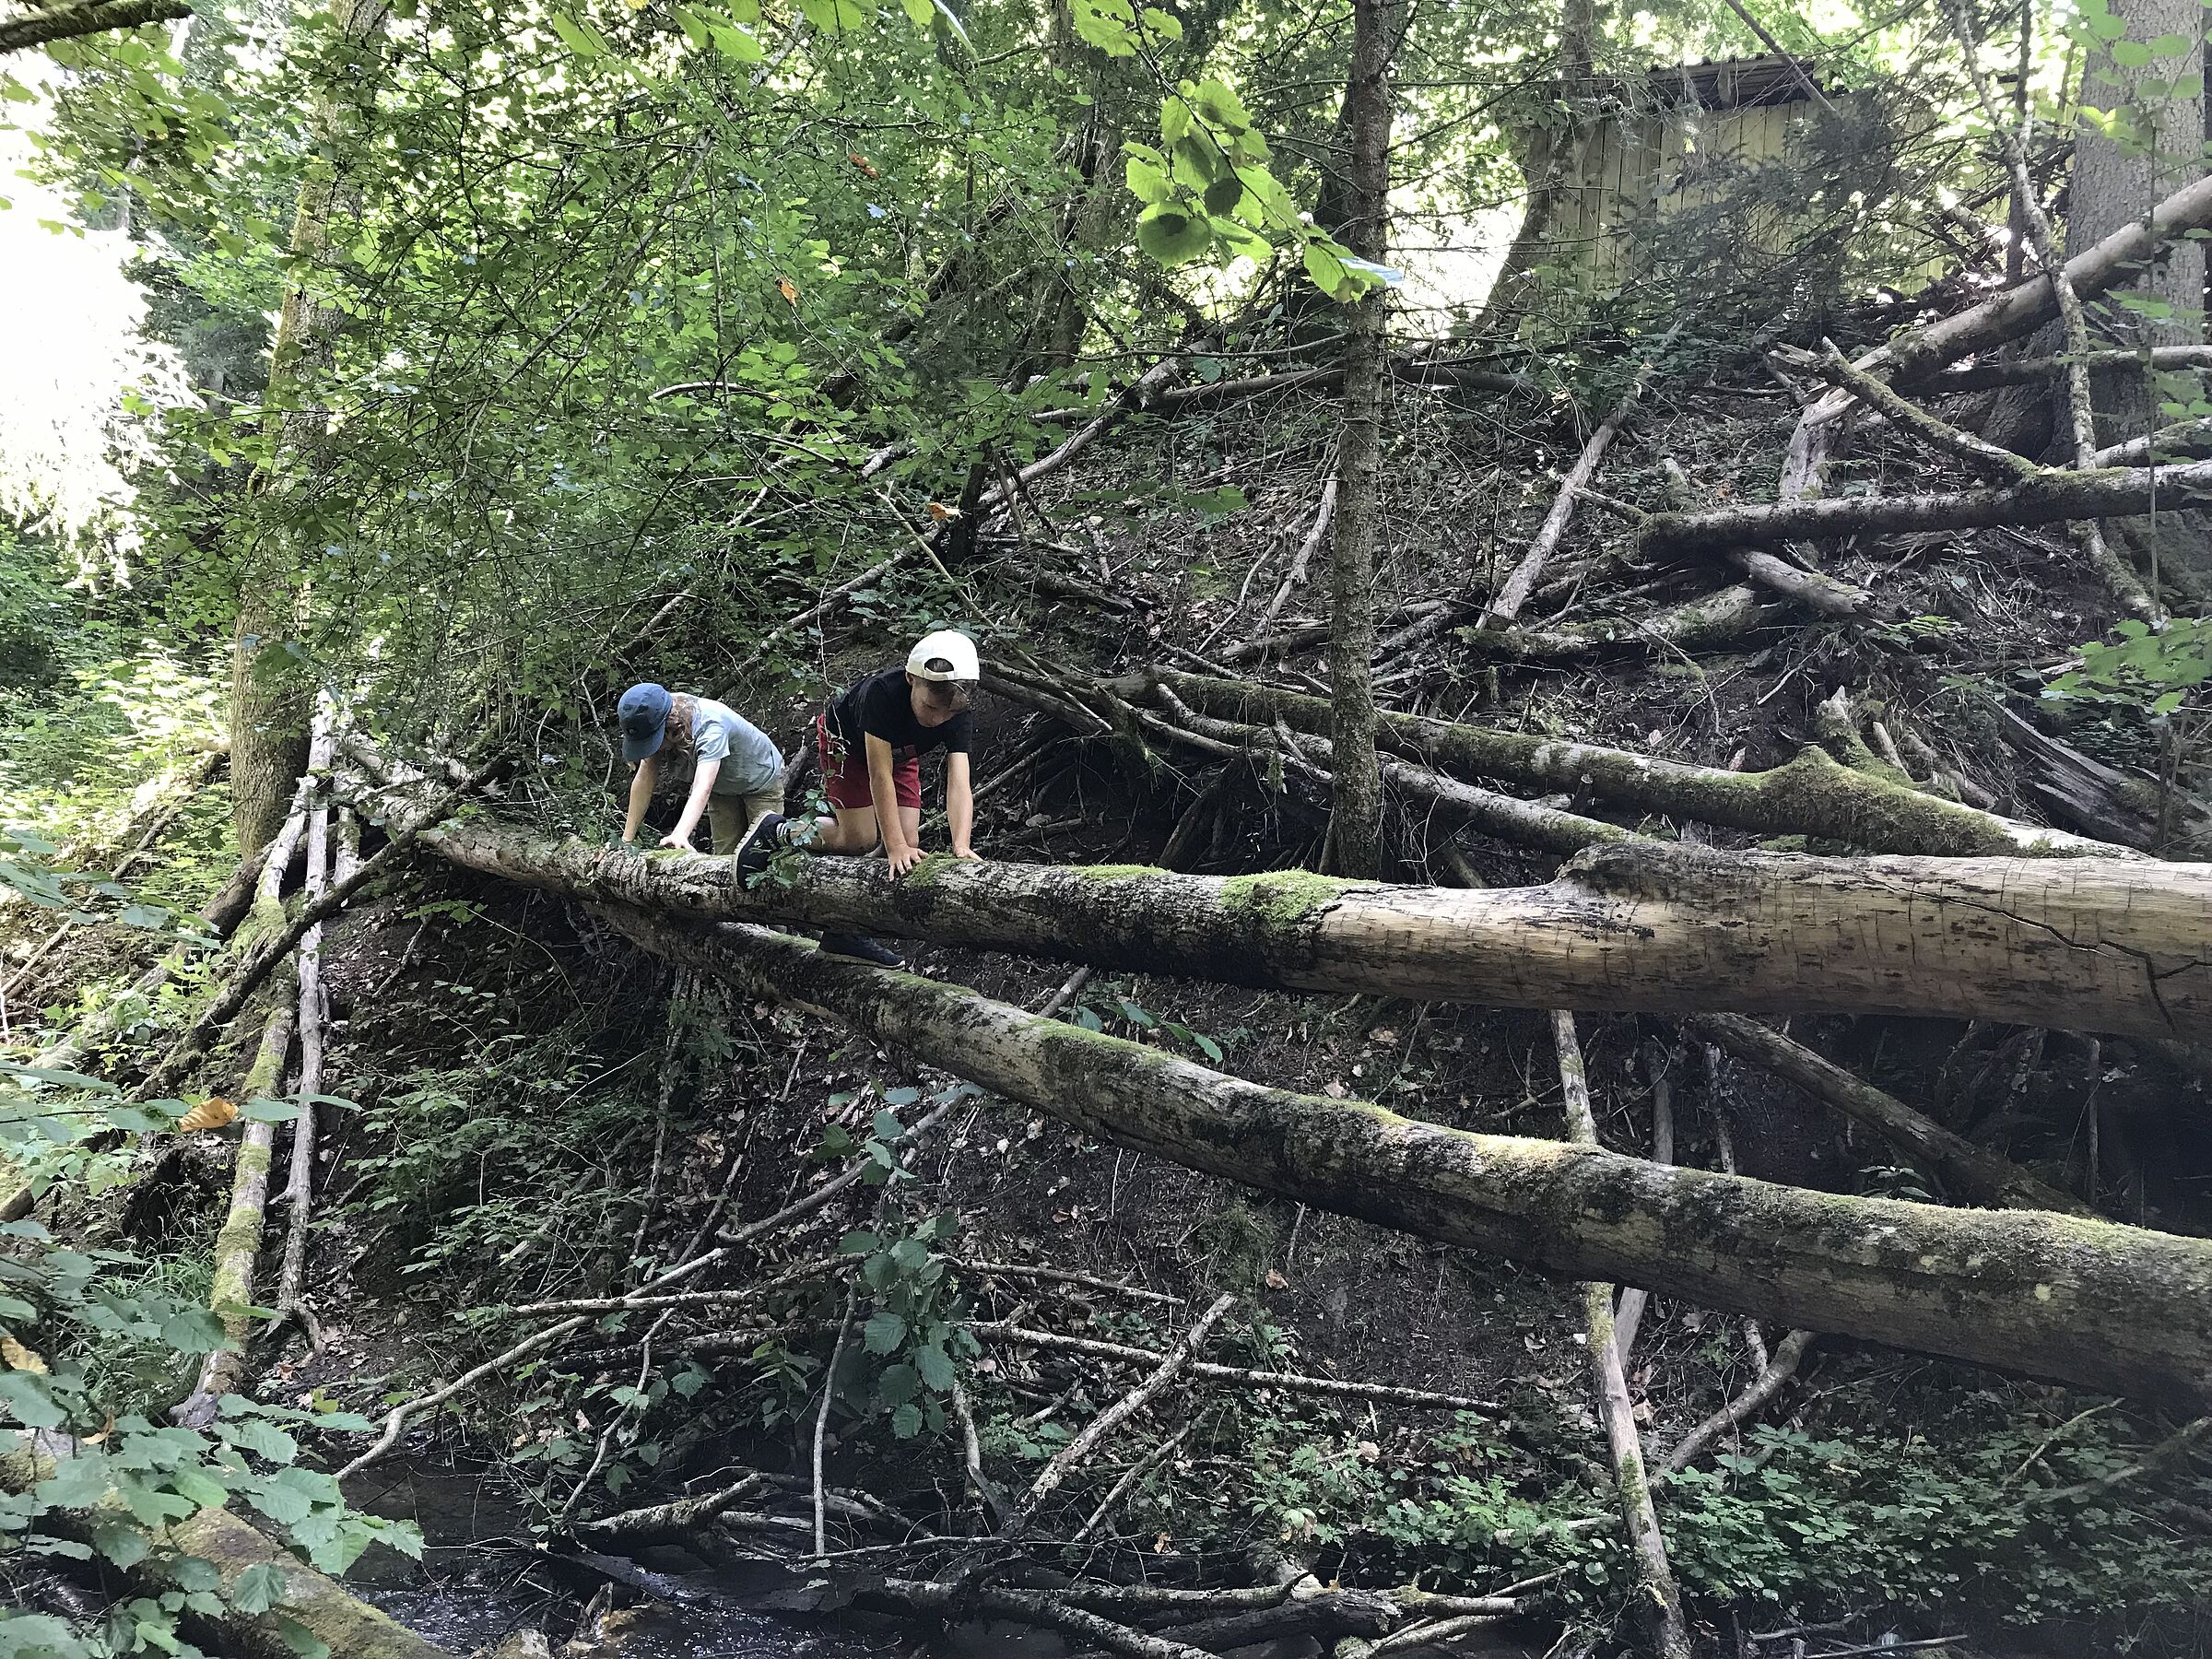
749 760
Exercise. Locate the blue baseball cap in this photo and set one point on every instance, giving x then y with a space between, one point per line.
643 712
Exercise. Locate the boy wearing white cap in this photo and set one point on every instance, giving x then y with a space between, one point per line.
872 737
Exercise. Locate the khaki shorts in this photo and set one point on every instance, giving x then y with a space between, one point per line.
729 816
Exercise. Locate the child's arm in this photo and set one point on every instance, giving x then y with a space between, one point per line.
960 803
896 852
703 785
641 796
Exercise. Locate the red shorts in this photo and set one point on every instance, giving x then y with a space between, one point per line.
845 773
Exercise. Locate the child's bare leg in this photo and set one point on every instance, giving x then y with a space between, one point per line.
852 831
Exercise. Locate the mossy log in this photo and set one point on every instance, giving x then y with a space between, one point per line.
1810 795
2048 499
348 1626
2079 944
2119 1309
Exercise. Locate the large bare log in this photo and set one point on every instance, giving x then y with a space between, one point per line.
2113 1308
1811 795
2080 944
2023 310
2101 493
2029 372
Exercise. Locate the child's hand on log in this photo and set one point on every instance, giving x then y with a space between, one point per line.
902 860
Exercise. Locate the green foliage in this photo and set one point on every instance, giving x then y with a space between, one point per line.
98 1344
2154 671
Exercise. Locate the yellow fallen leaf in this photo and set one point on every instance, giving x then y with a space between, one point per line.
1276 1281
20 1357
211 1114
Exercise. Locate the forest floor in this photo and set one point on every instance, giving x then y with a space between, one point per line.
537 1106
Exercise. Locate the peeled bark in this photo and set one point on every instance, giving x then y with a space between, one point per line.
2078 944
1810 795
2118 1308
2101 493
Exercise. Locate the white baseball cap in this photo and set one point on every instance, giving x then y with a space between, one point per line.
947 654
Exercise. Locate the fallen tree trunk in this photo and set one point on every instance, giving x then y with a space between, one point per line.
2102 493
1811 795
2078 944
2032 371
2113 1308
2023 310
1971 1172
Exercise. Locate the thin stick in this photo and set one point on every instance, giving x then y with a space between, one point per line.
1061 1275
827 1191
299 1187
1065 1461
1660 1601
822 1420
1322 516
1381 1393
2126 586
268 953
1521 583
1778 1370
1130 1476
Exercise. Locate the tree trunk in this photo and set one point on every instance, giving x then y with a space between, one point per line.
2117 178
2118 1308
1552 154
269 702
1356 817
2106 492
2078 944
1810 795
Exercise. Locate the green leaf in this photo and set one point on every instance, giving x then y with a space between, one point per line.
906 1422
303 1642
898 1384
884 1332
1223 195
62 1079
259 1588
269 1111
2173 45
283 1504
580 38
1147 182
859 1242
2130 54
919 12
124 1545
834 16
1328 272
739 45
935 1367
138 1120
1173 234
193 1331
33 1403
1218 106
887 1125
1109 25
263 1439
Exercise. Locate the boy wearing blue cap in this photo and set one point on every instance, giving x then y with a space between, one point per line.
737 772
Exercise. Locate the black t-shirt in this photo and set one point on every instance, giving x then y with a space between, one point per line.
882 706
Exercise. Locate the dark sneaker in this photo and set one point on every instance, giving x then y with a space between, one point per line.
861 949
760 843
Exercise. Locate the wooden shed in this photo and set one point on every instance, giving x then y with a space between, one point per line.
1679 137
